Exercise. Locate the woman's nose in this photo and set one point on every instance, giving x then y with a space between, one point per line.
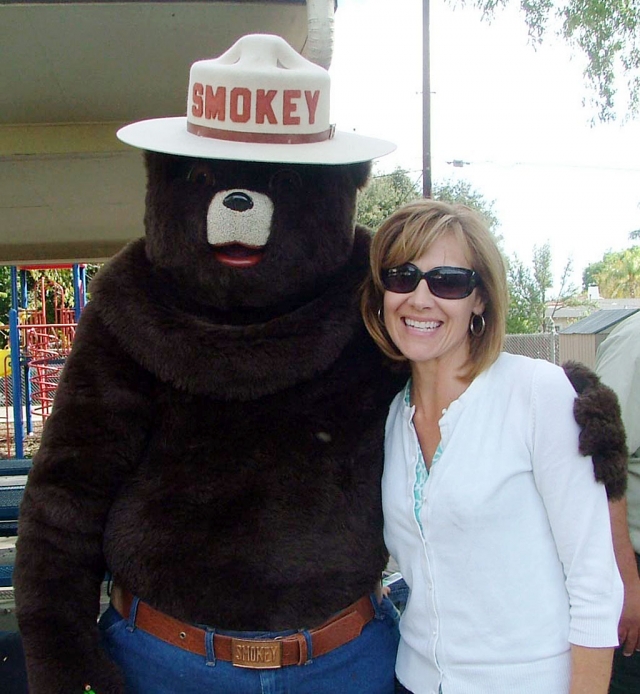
421 296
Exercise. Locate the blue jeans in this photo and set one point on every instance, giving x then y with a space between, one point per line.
365 664
13 673
399 594
625 678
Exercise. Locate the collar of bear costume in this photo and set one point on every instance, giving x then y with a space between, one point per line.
227 362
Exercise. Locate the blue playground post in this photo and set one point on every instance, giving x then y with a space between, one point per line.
14 287
19 299
14 338
24 299
24 303
79 289
16 386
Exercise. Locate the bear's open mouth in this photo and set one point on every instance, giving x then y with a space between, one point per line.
238 255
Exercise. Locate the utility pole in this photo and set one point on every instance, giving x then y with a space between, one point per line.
426 103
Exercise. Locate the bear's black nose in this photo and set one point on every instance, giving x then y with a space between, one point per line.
238 202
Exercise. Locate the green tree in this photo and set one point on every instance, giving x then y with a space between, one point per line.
388 191
529 290
542 275
524 301
590 274
617 275
384 194
462 193
607 32
5 299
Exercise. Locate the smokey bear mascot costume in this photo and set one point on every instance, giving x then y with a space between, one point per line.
216 440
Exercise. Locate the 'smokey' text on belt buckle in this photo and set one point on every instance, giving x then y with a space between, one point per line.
256 654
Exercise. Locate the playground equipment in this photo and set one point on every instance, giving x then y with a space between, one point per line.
38 345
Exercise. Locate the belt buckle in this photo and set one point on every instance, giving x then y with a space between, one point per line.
256 654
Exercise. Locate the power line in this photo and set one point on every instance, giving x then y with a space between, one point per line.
459 163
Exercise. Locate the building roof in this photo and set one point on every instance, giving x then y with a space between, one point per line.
599 321
627 302
559 312
72 73
569 312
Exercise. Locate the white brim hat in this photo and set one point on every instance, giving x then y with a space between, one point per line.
260 101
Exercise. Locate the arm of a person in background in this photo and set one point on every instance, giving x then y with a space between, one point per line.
590 670
579 518
629 627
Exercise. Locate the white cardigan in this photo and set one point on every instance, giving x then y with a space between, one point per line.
517 558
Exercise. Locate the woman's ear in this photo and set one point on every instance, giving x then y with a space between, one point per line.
479 305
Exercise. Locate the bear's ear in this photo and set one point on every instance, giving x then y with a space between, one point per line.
161 167
360 173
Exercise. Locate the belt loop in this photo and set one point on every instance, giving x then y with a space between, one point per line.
378 613
305 647
309 640
133 613
209 639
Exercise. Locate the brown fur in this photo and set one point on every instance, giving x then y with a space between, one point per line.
597 411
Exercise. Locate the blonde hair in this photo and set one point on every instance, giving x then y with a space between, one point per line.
406 235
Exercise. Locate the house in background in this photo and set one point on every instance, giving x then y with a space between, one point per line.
580 341
562 316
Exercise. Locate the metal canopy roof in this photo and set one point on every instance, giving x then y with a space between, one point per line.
70 75
599 321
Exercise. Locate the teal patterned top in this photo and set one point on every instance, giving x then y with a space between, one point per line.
422 473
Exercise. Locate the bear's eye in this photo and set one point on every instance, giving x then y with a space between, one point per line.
285 180
201 174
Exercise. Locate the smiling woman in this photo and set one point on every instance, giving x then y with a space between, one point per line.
495 521
427 327
463 243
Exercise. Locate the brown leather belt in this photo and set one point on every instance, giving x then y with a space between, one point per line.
250 653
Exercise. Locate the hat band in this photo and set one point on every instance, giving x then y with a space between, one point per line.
262 138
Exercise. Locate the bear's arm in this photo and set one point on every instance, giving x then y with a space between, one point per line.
602 434
90 443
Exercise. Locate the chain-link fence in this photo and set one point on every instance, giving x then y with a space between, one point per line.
43 350
536 345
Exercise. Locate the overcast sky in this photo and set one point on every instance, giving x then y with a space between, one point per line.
513 112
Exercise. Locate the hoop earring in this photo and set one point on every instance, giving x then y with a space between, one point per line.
473 329
380 316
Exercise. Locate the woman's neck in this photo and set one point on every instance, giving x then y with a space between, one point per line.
434 387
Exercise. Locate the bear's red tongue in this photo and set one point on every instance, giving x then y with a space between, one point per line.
238 255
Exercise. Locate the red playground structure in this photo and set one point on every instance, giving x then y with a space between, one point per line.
40 333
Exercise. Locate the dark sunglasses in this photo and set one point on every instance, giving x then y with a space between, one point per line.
444 282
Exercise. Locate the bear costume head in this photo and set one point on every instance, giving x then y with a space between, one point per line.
262 218
250 238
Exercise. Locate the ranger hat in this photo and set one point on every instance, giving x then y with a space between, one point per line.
259 101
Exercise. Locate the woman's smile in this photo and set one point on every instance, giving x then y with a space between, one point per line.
421 325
